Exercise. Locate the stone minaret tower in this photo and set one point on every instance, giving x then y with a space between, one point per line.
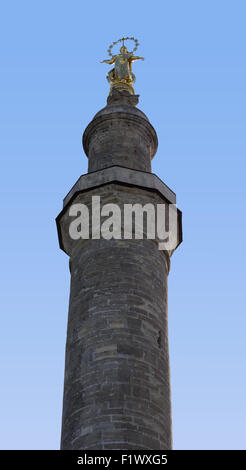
117 381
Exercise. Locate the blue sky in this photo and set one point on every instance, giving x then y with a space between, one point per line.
192 86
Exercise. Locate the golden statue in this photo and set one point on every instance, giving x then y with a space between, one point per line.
121 76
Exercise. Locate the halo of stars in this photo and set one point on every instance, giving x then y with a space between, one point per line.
121 40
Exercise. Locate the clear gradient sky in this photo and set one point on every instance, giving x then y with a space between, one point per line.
192 86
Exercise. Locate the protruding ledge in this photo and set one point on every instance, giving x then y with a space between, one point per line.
119 174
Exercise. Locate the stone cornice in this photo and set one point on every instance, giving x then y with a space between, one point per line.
119 174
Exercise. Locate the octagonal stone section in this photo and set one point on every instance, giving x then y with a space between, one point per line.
113 193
